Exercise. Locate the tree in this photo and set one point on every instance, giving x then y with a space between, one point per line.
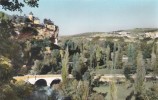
79 66
64 69
130 67
93 59
119 57
111 45
113 90
156 64
9 48
131 55
153 58
140 77
113 57
14 5
36 68
108 56
146 48
152 92
72 47
10 52
98 55
3 16
76 67
5 70
6 75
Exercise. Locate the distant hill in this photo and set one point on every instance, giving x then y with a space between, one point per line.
127 35
87 34
131 31
140 30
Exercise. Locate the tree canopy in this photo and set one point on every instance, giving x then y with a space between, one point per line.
16 5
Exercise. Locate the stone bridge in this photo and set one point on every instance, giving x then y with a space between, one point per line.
49 78
33 78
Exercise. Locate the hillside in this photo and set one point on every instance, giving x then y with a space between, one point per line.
131 31
125 35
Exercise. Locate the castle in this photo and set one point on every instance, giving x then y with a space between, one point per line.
46 29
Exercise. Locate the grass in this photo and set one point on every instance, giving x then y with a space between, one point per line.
122 90
122 93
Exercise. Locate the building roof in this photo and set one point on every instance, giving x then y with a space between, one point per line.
36 18
48 21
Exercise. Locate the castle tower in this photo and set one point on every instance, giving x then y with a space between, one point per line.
30 16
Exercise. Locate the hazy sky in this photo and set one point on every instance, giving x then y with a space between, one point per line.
78 16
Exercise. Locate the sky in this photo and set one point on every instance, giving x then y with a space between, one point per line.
80 16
